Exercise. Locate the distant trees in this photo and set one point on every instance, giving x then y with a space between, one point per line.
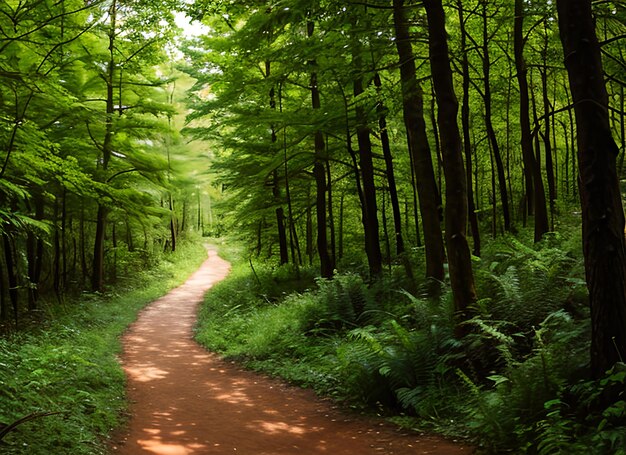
334 132
83 134
352 82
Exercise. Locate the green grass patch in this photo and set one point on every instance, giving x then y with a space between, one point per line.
68 364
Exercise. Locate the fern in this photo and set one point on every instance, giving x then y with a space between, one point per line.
555 433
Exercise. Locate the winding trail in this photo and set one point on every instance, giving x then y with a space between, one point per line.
186 400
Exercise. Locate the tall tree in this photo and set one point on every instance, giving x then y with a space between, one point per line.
459 257
488 102
535 193
319 171
602 212
366 164
413 109
465 122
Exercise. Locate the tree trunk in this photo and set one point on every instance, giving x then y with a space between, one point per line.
413 105
173 223
280 220
83 246
546 141
459 258
467 144
64 240
369 207
491 133
309 229
12 274
319 172
280 212
602 211
391 178
97 277
331 216
340 243
535 194
34 254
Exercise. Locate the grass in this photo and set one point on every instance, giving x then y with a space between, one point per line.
68 365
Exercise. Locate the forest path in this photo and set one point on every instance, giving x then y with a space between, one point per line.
185 400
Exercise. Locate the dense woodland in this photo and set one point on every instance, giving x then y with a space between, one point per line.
425 194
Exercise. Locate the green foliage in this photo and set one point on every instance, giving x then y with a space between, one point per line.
68 364
509 384
602 426
526 283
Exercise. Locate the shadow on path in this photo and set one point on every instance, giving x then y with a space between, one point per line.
188 401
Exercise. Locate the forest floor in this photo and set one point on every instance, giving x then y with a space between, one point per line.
185 400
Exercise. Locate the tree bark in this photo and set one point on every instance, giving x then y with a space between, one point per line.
535 193
97 277
319 173
391 177
602 211
12 274
491 133
459 258
366 164
280 212
467 143
34 254
413 106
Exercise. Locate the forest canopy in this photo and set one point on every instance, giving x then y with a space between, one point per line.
461 153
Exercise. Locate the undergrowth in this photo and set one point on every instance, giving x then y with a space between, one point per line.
517 382
67 366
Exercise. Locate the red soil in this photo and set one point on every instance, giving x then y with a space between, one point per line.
186 400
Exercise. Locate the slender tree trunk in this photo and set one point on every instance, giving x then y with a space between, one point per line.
459 257
280 212
12 275
391 178
491 133
535 194
602 211
467 143
319 173
547 144
494 199
309 229
83 246
173 223
567 159
413 105
199 211
386 230
114 243
259 238
56 263
433 123
97 277
34 254
340 248
369 207
331 217
64 240
280 220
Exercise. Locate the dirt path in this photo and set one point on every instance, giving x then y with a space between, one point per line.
188 401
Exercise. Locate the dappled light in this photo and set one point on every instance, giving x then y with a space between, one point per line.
187 401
